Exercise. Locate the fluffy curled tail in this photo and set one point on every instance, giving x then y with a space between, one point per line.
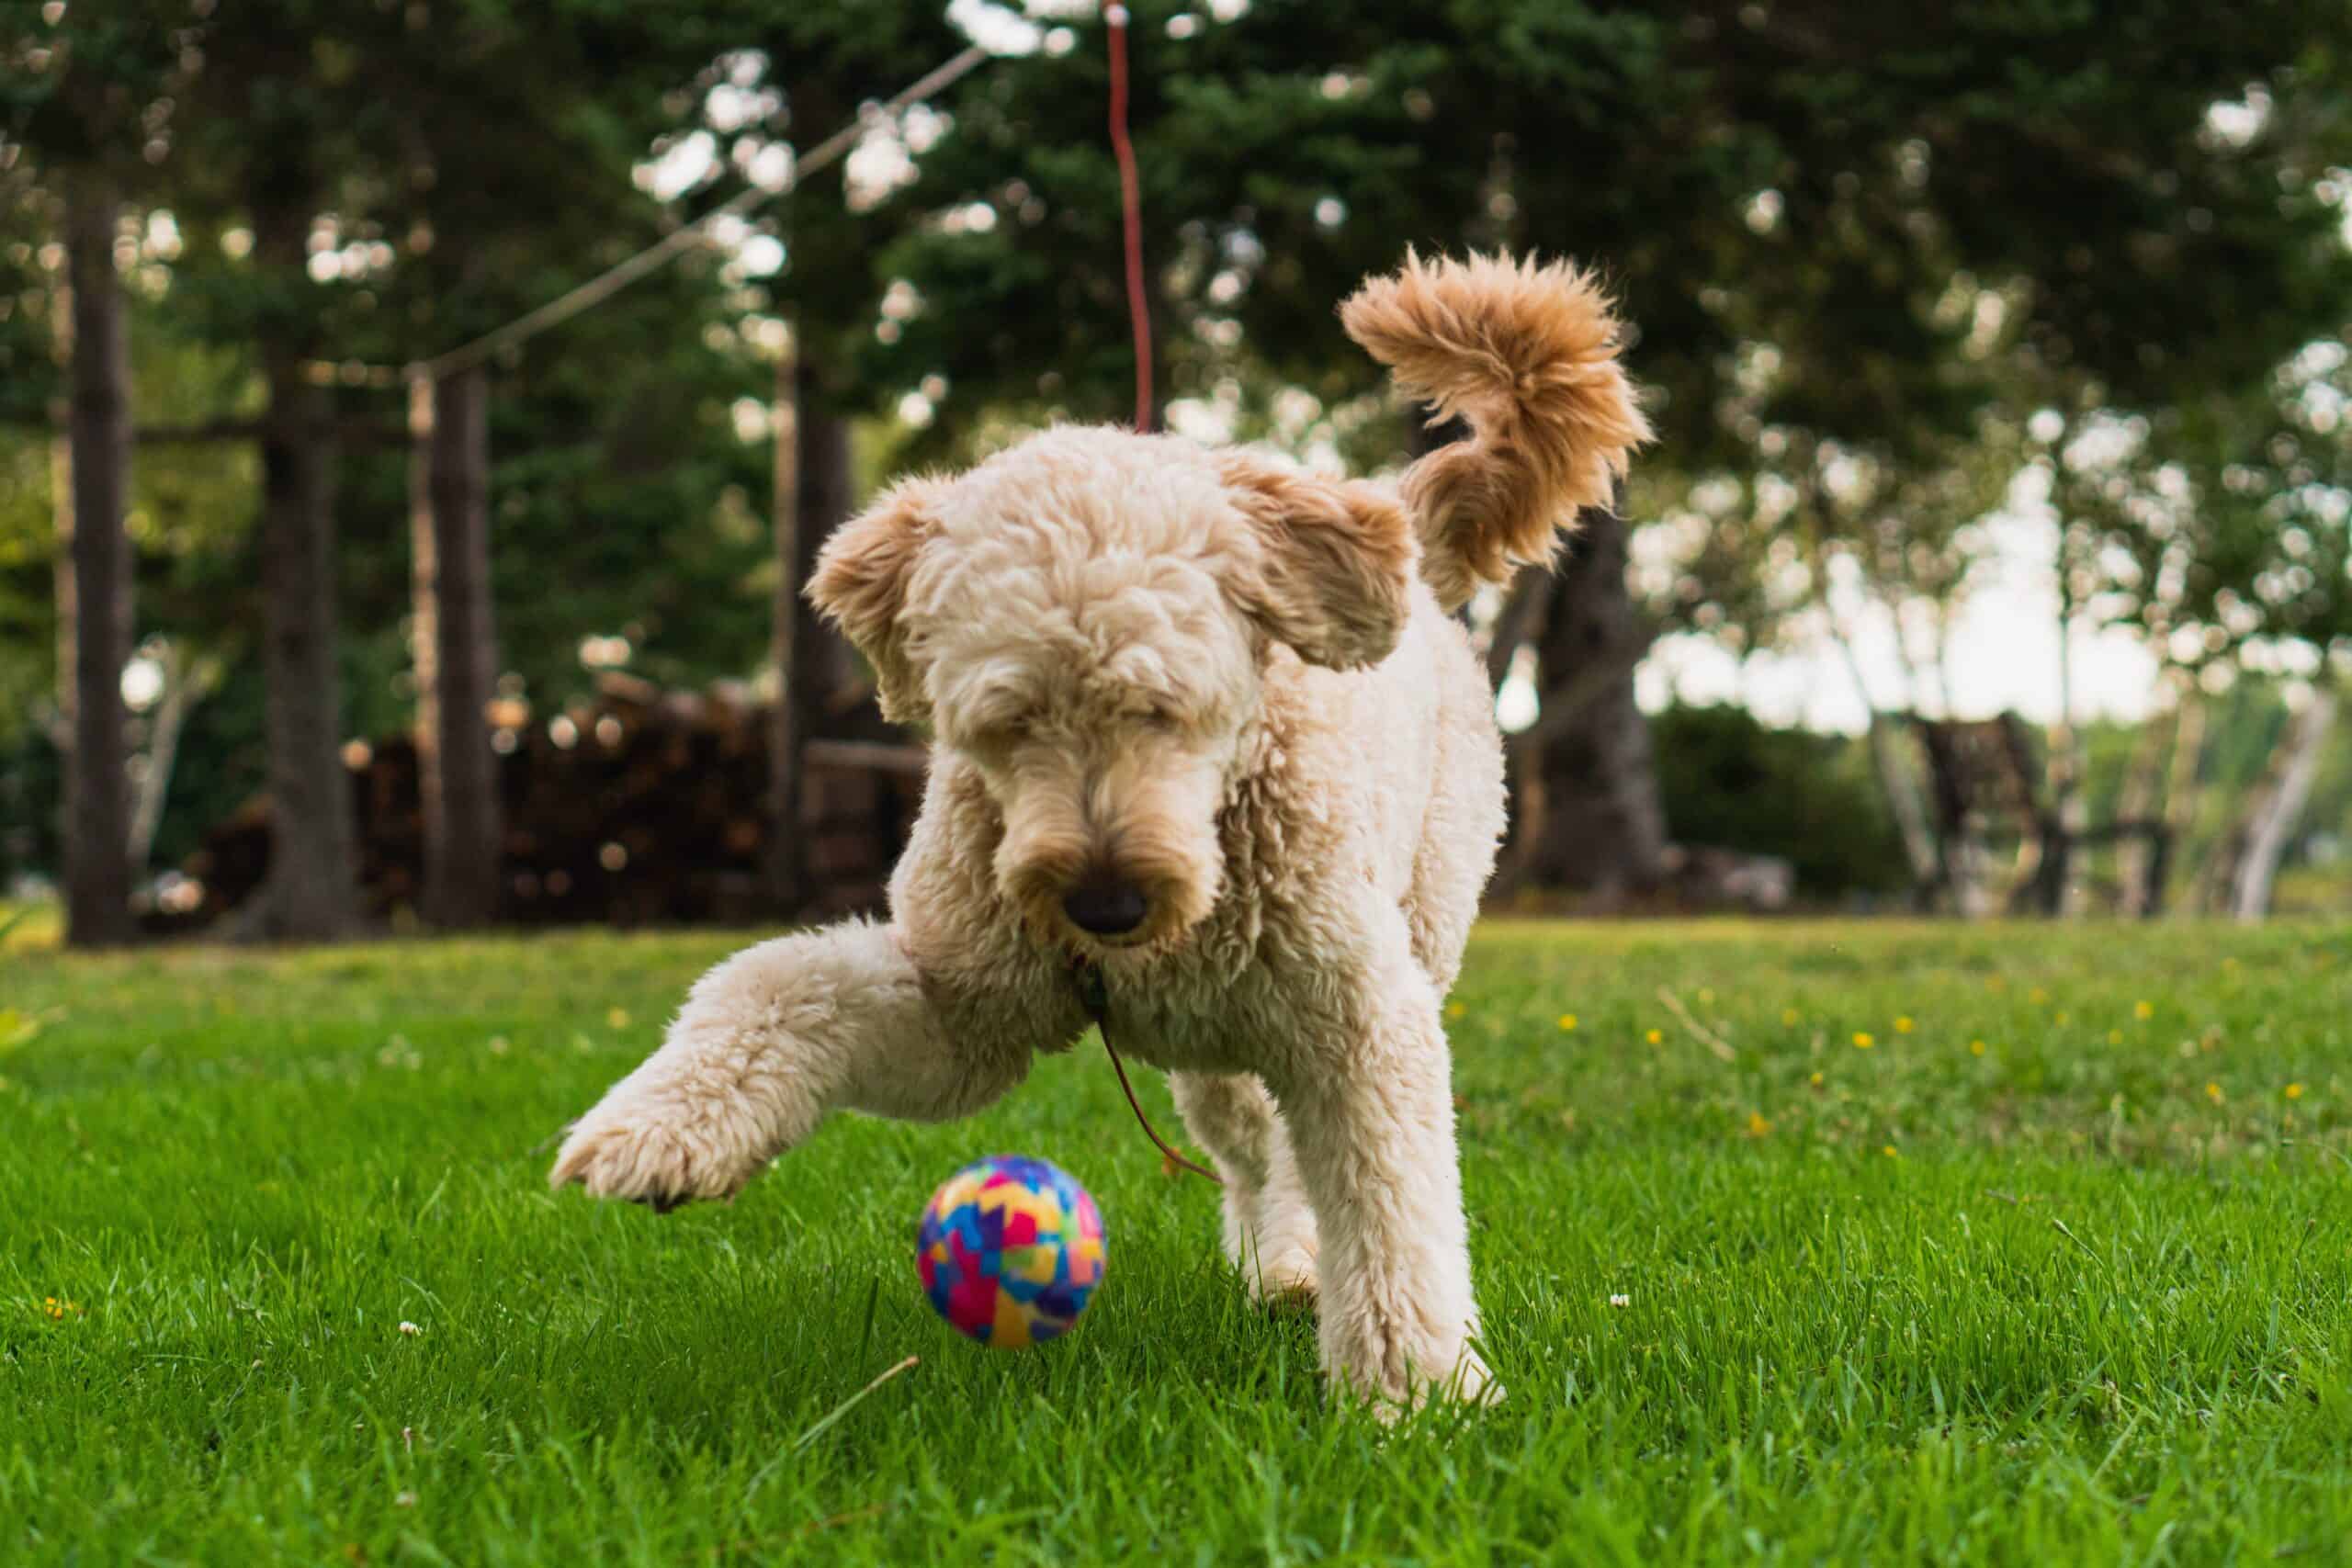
1527 353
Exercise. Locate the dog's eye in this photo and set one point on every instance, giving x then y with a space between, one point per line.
1008 731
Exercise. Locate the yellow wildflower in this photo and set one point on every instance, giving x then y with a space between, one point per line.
1789 1017
2115 1037
1568 1020
1817 1080
1864 1040
2143 1011
1903 1025
617 1018
1456 1010
2037 996
1757 1124
1889 1151
1656 1037
2213 1092
1976 1047
2294 1091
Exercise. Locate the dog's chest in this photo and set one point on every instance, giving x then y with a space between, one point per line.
1175 1033
1183 1019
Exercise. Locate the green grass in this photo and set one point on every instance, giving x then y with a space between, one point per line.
27 928
2325 890
2082 1297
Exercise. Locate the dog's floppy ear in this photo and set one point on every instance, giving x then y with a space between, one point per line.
860 585
1333 569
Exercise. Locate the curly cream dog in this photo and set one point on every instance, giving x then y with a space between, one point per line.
1207 724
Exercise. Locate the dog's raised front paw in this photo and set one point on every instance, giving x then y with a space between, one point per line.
651 1154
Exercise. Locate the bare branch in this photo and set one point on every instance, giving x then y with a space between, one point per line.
198 434
1522 622
1564 702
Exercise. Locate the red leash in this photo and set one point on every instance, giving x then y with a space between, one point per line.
1094 996
1114 16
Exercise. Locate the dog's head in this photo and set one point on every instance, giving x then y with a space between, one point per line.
1089 618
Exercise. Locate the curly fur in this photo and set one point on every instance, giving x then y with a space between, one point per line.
1233 688
1527 353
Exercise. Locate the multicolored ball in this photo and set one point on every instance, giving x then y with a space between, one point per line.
1010 1249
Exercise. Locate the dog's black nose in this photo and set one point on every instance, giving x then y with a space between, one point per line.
1106 908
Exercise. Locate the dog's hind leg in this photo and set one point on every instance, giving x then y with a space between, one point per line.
1463 820
1268 1226
767 1043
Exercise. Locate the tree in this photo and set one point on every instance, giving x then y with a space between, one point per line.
797 79
323 185
2225 541
1823 181
190 503
78 102
411 246
1284 156
518 135
94 584
457 648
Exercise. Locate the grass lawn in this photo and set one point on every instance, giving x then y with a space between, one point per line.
2015 1245
27 928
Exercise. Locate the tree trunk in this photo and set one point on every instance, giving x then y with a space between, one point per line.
789 888
825 666
184 685
1895 781
2184 790
2279 806
2069 760
457 648
310 895
2143 801
816 668
1525 608
1603 827
1901 789
94 581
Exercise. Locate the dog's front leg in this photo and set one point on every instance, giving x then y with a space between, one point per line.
1371 1123
767 1043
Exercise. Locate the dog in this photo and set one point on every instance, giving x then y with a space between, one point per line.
1209 728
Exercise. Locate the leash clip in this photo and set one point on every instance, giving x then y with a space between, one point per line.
1093 994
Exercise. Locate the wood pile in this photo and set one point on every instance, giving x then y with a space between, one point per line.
644 807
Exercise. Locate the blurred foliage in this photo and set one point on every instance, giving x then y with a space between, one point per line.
1730 782
486 166
1861 248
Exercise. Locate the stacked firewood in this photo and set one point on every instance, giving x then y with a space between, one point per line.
646 807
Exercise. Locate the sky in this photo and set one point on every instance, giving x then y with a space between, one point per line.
2004 656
